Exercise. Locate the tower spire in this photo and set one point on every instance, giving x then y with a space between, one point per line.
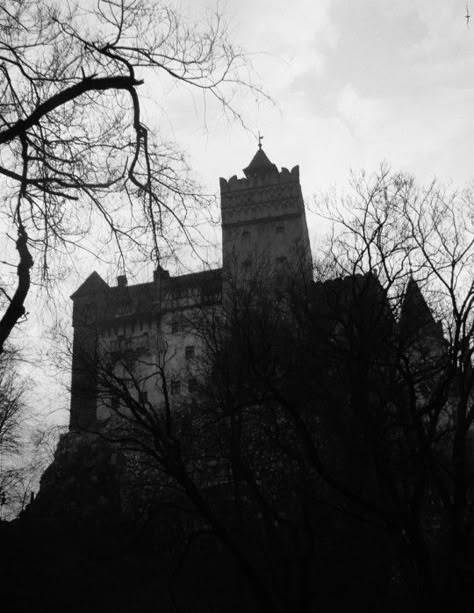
260 164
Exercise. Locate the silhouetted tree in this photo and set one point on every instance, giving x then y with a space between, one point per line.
329 416
76 155
14 471
414 239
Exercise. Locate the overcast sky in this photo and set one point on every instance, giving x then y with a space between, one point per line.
355 83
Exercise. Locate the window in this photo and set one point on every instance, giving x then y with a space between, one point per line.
246 234
189 352
124 307
192 385
175 325
246 264
175 387
281 260
142 397
280 229
114 402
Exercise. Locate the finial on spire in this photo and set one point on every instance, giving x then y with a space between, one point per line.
260 164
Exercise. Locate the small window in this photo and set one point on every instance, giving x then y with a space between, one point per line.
124 308
142 397
280 229
189 352
281 260
175 325
192 385
246 234
175 387
114 402
246 264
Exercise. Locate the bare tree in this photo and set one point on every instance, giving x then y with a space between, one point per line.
79 166
179 449
232 455
13 472
411 238
11 405
346 403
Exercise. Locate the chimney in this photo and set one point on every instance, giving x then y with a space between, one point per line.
122 281
160 273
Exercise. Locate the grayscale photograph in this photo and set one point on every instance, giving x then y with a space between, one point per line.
237 306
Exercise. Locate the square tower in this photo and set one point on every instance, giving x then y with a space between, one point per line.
264 222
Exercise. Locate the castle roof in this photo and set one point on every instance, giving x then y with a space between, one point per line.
92 284
416 316
260 165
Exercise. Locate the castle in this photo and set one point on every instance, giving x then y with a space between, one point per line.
264 234
263 226
326 447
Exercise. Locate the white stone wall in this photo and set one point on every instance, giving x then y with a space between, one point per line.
170 347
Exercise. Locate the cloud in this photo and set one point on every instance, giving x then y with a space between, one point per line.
363 115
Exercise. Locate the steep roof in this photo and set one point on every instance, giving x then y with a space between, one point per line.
416 316
92 284
260 165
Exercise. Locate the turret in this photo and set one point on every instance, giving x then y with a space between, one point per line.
88 309
420 333
416 318
263 220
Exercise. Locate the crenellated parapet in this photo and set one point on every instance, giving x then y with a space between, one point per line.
263 228
271 178
263 220
264 195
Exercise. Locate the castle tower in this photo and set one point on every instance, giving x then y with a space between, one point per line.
417 323
264 222
421 335
88 309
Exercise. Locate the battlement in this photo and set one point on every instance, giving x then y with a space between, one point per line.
271 178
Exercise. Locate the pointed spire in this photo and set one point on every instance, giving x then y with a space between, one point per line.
416 317
93 283
260 164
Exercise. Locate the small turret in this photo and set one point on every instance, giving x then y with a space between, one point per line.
88 309
416 318
419 331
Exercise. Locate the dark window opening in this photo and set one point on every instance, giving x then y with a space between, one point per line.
175 387
192 385
189 352
142 397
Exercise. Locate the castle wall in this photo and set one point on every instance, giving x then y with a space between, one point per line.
150 326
